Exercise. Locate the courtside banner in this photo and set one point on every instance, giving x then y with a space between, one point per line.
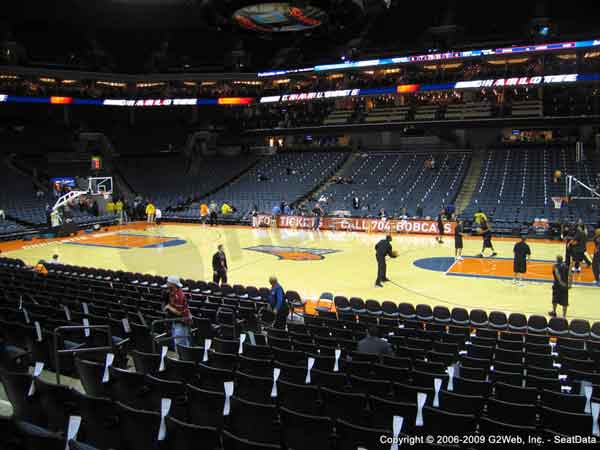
369 225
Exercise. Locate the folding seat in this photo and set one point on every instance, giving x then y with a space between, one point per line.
517 322
225 346
390 309
558 326
478 318
583 365
370 386
480 352
577 375
567 402
220 360
570 343
35 437
461 404
254 366
439 422
408 392
373 308
544 373
485 336
185 436
459 316
520 414
254 421
465 386
99 422
490 427
395 361
128 388
515 379
90 375
383 411
333 380
506 344
294 426
473 373
441 314
139 428
565 423
289 356
407 311
253 388
58 401
291 373
141 337
341 303
359 368
515 394
300 398
595 331
508 356
475 363
25 408
178 370
350 406
232 442
551 384
212 377
498 320
358 305
175 390
579 328
146 362
424 312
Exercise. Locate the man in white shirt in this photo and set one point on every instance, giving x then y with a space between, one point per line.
157 216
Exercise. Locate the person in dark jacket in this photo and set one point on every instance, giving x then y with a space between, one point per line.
278 303
219 264
383 249
373 344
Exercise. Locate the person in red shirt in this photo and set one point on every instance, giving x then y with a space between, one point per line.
178 308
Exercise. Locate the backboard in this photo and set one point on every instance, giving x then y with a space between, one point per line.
100 185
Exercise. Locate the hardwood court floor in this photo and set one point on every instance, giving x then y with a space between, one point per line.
342 263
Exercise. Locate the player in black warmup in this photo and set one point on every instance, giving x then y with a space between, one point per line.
561 286
458 240
440 225
486 232
382 249
522 253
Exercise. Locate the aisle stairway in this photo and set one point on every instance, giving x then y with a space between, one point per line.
470 182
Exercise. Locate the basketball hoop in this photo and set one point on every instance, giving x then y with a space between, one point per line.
558 201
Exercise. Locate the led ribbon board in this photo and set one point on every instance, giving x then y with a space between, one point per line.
433 57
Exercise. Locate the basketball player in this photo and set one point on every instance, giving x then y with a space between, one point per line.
596 258
458 240
383 249
522 252
578 247
486 232
219 263
561 286
440 225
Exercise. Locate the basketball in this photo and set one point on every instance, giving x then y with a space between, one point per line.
557 174
394 253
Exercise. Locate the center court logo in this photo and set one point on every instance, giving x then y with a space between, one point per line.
293 253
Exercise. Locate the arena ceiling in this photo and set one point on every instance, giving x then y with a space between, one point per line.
133 34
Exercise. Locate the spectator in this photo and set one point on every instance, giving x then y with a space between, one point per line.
276 210
278 303
177 307
2 215
373 344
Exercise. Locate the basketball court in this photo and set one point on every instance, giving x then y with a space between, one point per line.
339 262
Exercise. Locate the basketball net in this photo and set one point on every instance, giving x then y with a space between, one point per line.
558 201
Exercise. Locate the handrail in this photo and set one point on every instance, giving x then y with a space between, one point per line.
161 337
57 351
